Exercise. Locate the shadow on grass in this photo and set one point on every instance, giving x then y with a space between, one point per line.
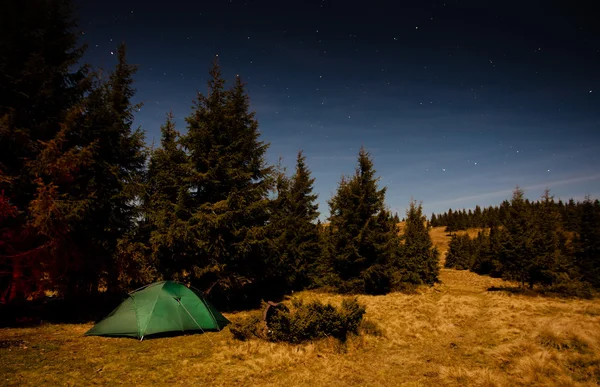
569 292
162 334
58 310
516 290
95 308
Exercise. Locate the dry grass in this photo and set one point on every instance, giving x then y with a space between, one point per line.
454 334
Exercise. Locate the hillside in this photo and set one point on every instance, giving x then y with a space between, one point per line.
455 334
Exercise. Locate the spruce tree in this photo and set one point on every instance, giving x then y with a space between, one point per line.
587 242
293 224
365 238
40 83
549 260
419 259
229 192
518 252
434 221
165 206
487 260
460 252
124 161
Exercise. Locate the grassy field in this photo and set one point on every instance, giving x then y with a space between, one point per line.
455 334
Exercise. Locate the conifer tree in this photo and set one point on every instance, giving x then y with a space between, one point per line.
365 239
487 260
451 222
293 223
419 259
229 192
518 252
38 69
460 252
434 221
166 206
587 242
549 260
117 174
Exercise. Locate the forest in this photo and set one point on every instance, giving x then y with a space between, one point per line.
87 207
545 243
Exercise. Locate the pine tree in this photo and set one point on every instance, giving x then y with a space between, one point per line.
451 222
119 172
518 252
166 206
487 260
38 69
229 192
549 260
460 252
434 221
365 238
477 218
419 259
587 242
293 223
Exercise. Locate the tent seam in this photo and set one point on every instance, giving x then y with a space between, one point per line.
211 313
152 310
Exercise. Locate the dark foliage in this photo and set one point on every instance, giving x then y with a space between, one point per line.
418 261
314 320
362 242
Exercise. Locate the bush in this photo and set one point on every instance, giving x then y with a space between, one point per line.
248 328
315 320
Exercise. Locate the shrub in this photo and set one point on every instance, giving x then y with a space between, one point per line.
248 328
315 320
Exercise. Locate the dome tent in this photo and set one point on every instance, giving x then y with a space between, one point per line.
161 307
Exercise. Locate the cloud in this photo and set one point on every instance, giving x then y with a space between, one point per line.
507 192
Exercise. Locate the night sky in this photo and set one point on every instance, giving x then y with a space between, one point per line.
457 101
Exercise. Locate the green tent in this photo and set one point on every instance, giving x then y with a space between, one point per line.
160 307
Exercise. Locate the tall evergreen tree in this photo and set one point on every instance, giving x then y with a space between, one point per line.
40 82
587 242
229 191
434 220
293 223
518 252
460 251
549 260
166 206
419 259
117 174
487 259
100 190
365 239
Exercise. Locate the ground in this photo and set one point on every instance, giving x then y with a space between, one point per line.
456 333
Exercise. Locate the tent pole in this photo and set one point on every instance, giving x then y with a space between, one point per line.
184 308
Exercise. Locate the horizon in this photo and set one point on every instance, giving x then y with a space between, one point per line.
456 103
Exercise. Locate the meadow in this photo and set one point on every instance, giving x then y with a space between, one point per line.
456 333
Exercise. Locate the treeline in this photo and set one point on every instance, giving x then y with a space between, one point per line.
87 207
536 243
457 220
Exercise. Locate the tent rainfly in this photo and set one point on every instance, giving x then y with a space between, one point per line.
165 306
